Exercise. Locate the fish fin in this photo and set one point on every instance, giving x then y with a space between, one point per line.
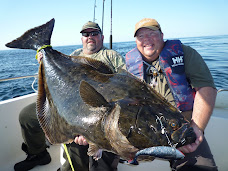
94 151
42 106
97 65
117 140
53 125
90 96
34 38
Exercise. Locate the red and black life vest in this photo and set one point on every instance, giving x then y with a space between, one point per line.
171 60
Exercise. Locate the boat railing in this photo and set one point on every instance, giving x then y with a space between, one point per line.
22 77
221 99
220 90
16 78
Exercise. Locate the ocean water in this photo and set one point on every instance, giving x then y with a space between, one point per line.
17 62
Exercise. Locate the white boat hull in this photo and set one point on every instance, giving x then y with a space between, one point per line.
11 139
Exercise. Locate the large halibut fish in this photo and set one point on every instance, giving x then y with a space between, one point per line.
116 112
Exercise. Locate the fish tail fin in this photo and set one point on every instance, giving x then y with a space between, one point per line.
34 38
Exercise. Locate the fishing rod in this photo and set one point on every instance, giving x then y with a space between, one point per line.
111 29
110 40
103 17
94 18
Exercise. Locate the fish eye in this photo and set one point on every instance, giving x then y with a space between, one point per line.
174 124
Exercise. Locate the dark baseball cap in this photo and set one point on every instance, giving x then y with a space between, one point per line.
90 25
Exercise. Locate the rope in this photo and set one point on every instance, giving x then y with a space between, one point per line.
33 85
68 156
43 47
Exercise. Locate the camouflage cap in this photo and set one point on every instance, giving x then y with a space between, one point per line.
147 23
91 25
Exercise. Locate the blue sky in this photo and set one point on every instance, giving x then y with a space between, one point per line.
178 18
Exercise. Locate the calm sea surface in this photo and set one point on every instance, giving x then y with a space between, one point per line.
16 63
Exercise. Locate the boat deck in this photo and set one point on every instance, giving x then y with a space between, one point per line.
11 139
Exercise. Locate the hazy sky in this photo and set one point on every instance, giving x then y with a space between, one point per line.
178 18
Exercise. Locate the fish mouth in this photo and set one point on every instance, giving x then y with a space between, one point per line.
184 135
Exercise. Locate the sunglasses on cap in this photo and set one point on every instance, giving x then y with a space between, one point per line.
92 33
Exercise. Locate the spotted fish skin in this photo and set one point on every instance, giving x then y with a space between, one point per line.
116 112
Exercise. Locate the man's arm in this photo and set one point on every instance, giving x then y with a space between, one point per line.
203 106
202 110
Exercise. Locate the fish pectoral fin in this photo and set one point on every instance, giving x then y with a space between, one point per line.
94 151
98 65
90 96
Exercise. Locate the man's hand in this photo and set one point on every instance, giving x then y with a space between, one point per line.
80 140
199 138
39 57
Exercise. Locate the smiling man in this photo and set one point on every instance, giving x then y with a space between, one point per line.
92 39
179 73
92 42
149 41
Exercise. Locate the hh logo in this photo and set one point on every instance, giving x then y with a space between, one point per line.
178 61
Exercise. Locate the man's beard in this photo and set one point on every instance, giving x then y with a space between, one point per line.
91 47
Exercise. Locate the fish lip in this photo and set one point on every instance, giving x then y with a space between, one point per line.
184 135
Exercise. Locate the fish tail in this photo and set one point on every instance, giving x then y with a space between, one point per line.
34 38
